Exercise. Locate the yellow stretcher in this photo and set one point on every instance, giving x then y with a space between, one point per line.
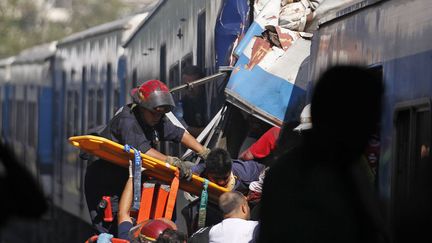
114 152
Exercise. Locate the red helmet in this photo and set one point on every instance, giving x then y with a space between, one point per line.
152 94
151 229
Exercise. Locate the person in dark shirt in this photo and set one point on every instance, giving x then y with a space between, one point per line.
219 168
226 172
141 124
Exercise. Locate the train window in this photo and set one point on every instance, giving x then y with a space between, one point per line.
93 74
84 97
1 109
75 113
91 117
32 125
12 113
20 132
69 113
201 40
99 107
412 153
72 77
108 91
134 78
402 151
423 134
174 79
162 64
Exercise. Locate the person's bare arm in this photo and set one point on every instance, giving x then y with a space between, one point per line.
190 142
156 154
125 202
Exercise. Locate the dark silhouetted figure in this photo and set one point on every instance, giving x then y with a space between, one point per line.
318 192
194 101
21 195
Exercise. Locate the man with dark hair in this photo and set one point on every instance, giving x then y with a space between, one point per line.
194 101
219 168
226 172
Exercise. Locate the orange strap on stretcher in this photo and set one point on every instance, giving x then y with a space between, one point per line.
165 199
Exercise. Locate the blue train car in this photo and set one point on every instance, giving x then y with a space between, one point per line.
5 71
26 120
88 91
395 39
30 110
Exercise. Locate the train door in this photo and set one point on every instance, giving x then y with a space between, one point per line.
20 122
5 132
79 163
71 176
411 195
1 108
44 112
31 124
60 115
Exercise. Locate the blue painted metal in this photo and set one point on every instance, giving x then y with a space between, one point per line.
45 125
255 29
121 75
397 35
406 78
232 22
262 91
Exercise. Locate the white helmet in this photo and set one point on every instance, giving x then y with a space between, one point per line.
305 119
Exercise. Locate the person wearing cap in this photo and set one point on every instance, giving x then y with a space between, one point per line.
141 124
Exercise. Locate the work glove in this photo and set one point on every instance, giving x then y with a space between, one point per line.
204 153
185 167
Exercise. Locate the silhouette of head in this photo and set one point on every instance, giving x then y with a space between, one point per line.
346 106
190 74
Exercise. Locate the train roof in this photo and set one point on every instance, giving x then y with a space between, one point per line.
150 14
36 53
129 24
6 61
347 8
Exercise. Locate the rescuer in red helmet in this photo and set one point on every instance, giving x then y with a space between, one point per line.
140 124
